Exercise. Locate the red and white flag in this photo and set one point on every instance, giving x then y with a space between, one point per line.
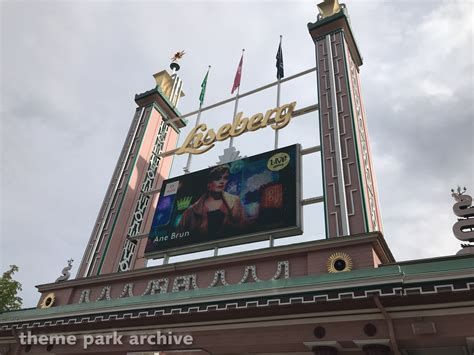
238 75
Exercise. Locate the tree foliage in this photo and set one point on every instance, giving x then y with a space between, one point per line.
9 289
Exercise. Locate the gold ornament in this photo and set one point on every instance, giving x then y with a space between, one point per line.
328 8
48 301
339 262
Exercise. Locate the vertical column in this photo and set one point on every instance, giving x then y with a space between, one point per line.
363 147
139 170
349 186
150 182
115 195
337 219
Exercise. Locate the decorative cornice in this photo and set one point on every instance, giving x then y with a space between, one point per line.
376 239
339 21
407 280
145 98
252 301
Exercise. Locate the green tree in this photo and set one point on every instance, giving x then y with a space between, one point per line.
9 289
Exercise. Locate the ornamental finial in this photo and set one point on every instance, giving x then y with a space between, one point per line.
328 8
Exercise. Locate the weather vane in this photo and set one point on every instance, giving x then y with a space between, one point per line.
177 56
174 61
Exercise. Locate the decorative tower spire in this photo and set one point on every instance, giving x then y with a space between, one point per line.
351 204
171 86
177 82
130 201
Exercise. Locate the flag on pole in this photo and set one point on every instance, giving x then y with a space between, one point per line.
279 63
203 88
238 75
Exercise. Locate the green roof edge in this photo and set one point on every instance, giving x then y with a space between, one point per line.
420 267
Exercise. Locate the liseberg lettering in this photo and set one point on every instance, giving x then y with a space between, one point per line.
200 139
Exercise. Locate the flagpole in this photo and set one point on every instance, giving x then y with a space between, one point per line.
278 102
188 163
236 106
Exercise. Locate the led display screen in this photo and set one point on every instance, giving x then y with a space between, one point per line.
243 201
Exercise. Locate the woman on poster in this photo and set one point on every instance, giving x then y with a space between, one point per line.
216 212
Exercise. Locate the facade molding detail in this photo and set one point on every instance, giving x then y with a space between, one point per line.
280 266
138 217
249 270
219 275
160 285
351 205
127 291
184 283
85 296
110 209
262 302
104 294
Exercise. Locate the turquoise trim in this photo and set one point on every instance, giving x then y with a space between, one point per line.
342 14
279 286
436 265
237 289
166 118
158 91
320 118
356 131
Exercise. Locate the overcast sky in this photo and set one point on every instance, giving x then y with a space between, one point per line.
70 70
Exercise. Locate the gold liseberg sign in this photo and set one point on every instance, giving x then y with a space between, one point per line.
201 139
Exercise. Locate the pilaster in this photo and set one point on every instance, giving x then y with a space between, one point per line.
351 205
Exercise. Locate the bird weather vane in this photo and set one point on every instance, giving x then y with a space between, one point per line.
177 56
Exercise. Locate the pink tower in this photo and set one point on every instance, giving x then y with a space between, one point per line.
351 202
127 210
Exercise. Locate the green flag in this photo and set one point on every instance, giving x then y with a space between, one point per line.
203 88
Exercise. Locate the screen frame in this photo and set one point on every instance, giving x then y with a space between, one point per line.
248 237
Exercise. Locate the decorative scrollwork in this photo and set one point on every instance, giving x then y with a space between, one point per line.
251 269
104 294
339 262
187 283
85 296
127 291
48 301
282 265
219 275
143 201
160 285
184 283
366 167
65 272
127 255
463 229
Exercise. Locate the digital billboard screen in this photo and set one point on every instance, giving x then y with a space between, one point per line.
243 201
